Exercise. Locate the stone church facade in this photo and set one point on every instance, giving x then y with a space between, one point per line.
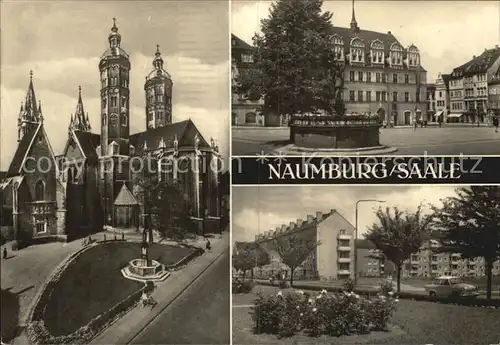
94 182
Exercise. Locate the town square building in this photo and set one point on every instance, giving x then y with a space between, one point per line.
442 98
469 87
381 77
494 94
95 181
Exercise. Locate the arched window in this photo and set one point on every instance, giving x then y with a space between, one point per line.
250 118
104 119
124 120
114 120
113 148
39 190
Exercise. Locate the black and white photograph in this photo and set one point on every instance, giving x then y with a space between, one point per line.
114 172
365 264
365 77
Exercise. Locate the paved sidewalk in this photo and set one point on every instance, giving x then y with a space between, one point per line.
127 327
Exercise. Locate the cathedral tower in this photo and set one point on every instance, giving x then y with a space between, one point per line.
114 150
80 121
30 114
115 97
158 88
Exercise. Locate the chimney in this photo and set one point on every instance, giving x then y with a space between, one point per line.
299 222
319 215
473 56
389 33
309 219
332 211
283 227
292 225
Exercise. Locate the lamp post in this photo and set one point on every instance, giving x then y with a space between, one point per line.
356 236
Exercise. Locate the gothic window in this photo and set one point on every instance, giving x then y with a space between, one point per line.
150 116
124 120
14 197
104 119
39 191
104 102
113 148
113 120
113 101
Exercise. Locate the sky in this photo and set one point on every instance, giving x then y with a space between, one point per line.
447 33
257 209
62 41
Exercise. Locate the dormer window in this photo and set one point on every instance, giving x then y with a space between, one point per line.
377 51
396 54
357 50
338 46
114 149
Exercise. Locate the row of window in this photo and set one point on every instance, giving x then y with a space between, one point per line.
113 101
456 94
440 103
115 81
381 77
160 115
457 106
494 105
114 119
380 96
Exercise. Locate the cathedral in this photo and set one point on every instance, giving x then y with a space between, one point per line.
94 181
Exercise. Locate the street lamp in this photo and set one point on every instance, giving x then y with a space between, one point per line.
356 236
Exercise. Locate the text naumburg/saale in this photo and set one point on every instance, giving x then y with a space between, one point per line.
333 171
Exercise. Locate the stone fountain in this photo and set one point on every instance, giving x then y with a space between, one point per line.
145 269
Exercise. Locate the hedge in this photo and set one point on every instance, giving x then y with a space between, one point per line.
472 302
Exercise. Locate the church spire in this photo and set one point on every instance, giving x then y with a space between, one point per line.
354 23
114 37
79 122
30 113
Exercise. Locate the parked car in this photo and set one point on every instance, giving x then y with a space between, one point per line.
446 286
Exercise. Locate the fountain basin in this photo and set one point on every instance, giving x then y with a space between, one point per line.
140 270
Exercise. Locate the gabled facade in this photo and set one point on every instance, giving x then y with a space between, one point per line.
469 87
442 98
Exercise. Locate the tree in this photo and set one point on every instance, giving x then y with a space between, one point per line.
260 255
470 225
167 206
293 251
399 234
244 260
295 67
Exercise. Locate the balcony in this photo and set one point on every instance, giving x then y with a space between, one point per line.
344 237
42 207
344 260
344 248
344 273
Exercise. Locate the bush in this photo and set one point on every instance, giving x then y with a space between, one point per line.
348 285
334 314
283 284
386 288
245 286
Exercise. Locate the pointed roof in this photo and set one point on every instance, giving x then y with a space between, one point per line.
185 131
158 72
80 122
31 111
354 23
125 197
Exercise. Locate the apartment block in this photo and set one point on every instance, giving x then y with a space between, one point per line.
427 263
430 96
332 259
494 94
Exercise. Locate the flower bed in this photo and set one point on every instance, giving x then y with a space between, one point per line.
333 314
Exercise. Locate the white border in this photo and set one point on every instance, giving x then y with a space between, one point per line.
230 170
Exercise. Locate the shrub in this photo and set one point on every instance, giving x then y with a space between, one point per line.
245 286
334 314
386 287
348 285
283 284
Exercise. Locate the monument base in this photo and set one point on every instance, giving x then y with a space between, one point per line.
139 270
293 149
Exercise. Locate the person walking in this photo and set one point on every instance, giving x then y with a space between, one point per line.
208 245
495 123
4 254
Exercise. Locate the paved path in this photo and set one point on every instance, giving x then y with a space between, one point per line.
432 140
134 322
27 269
200 315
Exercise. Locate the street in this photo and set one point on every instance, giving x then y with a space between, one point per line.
430 141
200 315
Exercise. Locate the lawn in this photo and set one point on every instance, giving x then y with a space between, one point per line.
414 322
93 283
